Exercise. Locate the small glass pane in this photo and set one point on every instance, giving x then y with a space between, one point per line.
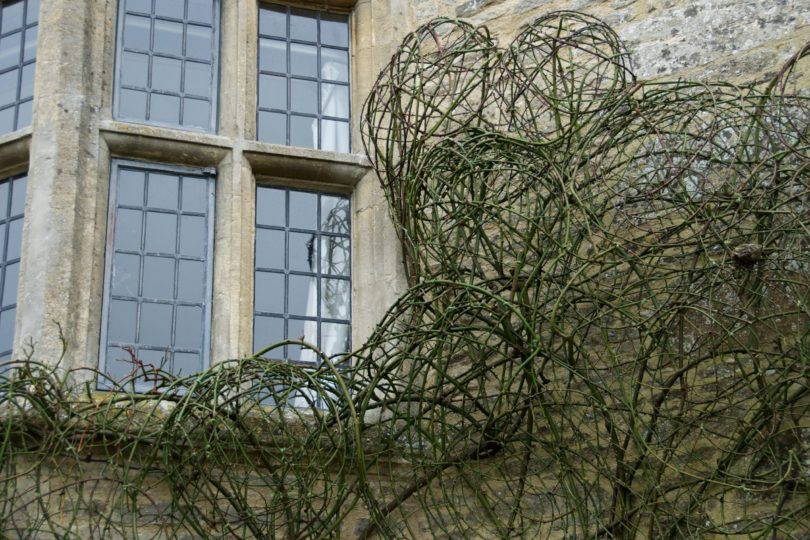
2 238
195 195
272 55
188 327
335 136
270 207
334 65
273 92
10 50
303 131
303 60
165 109
14 239
122 321
196 113
18 196
125 274
12 16
272 127
335 256
7 120
30 43
303 252
335 217
8 87
130 187
269 249
199 42
191 281
10 284
303 296
152 360
266 331
201 11
168 37
303 25
118 364
32 15
304 96
162 191
7 329
142 6
303 210
335 100
186 364
132 104
198 79
273 21
136 32
156 325
135 69
335 338
305 331
4 189
335 299
166 74
158 278
160 232
334 30
192 236
27 81
170 8
128 230
269 292
24 114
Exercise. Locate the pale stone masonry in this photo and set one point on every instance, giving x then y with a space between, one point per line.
68 149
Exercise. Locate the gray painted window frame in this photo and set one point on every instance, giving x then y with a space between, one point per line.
213 126
104 382
20 65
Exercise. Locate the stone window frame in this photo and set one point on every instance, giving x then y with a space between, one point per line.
20 106
208 173
216 54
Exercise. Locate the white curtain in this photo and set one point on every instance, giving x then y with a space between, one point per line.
334 102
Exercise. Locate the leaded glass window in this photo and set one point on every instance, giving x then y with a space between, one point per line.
18 48
158 271
303 94
167 62
12 204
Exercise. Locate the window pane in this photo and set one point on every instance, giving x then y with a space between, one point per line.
14 239
303 210
335 100
334 30
166 74
266 331
168 37
270 249
126 274
130 187
4 192
273 92
10 50
27 82
135 69
303 252
196 113
10 284
192 236
195 195
335 136
272 127
303 25
303 131
199 42
335 298
304 96
30 44
270 207
24 114
143 6
158 278
302 296
188 327
335 338
201 11
7 329
162 191
335 216
334 65
303 60
132 104
335 256
170 8
165 109
12 16
273 21
128 229
186 364
122 319
191 281
269 292
32 15
7 120
8 87
160 232
136 32
272 55
156 325
198 79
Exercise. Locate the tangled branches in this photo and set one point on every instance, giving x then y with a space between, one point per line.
606 334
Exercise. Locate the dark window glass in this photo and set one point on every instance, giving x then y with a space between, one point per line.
157 300
167 63
303 94
302 287
18 44
12 203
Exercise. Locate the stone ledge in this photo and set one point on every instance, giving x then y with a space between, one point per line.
14 149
